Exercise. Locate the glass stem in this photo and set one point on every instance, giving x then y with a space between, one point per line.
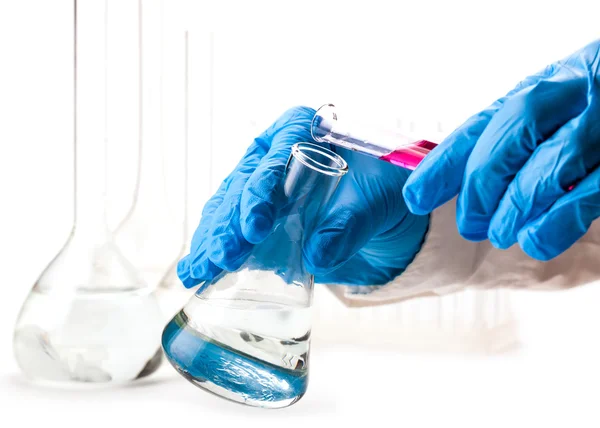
185 228
90 120
150 187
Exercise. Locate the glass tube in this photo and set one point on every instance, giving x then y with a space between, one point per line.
148 235
245 335
90 317
328 126
199 102
170 292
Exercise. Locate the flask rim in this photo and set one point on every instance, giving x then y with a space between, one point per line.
305 154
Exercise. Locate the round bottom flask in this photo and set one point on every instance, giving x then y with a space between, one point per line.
245 335
90 319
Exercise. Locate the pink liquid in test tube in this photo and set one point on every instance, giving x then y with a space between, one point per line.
327 128
409 156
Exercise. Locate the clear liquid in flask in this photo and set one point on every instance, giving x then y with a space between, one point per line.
89 337
248 351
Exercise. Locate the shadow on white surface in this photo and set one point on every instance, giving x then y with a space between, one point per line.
166 389
58 391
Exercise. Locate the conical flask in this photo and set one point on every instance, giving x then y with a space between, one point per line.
245 335
90 317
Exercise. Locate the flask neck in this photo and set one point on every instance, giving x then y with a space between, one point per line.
90 191
90 120
150 192
312 176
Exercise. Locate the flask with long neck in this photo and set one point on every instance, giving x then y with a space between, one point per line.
90 317
149 235
170 292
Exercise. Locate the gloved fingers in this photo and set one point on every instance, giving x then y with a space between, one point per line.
509 140
439 176
263 193
218 242
193 273
565 222
196 267
227 248
561 161
199 265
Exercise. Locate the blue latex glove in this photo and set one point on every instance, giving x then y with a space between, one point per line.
366 236
513 163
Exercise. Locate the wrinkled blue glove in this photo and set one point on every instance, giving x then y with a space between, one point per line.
512 164
366 235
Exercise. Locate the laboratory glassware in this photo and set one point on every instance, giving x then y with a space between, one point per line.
171 294
149 235
328 126
245 335
90 317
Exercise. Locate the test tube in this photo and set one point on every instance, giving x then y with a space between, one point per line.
389 146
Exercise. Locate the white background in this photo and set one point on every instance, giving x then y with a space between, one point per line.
422 61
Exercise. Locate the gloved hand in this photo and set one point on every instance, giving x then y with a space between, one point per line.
366 236
513 163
